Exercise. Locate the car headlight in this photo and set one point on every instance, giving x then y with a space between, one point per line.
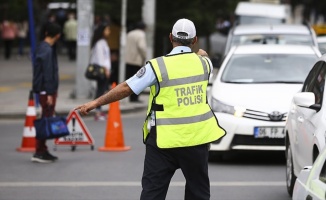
218 106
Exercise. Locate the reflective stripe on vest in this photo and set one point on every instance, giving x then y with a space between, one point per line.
185 120
167 82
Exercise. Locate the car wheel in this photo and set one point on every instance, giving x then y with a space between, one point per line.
290 177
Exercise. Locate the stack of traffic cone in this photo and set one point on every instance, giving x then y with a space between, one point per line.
114 136
28 141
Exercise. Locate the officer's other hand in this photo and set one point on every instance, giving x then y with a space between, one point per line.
85 108
202 52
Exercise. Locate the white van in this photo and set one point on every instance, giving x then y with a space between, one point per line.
262 13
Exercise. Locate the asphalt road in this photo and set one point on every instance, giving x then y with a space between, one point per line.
92 175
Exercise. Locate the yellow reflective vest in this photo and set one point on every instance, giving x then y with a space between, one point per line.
183 117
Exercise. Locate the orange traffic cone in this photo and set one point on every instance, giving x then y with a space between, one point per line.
28 141
114 137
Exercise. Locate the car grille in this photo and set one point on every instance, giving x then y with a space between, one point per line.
250 140
274 116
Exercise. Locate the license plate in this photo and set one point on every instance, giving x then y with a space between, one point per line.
269 132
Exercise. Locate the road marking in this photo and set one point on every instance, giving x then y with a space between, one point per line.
133 184
6 89
25 84
63 77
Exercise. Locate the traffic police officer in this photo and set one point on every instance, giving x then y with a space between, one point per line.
180 124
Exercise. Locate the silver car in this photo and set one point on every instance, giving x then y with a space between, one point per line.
271 34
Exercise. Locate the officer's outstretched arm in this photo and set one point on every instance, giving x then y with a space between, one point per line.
119 92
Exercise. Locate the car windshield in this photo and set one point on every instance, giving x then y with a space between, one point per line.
259 20
272 39
265 68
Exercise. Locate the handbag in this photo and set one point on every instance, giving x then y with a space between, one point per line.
51 127
95 72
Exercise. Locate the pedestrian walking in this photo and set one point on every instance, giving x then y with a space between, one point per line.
46 83
100 55
8 34
135 53
70 33
22 31
180 124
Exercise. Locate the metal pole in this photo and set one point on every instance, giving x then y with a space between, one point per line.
31 29
84 33
32 38
148 15
122 67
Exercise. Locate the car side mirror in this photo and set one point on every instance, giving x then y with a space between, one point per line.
306 100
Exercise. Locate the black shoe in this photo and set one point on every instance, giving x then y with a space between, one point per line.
42 158
51 156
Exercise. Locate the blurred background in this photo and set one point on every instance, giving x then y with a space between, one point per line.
213 18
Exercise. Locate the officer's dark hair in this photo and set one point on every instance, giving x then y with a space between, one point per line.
52 29
183 42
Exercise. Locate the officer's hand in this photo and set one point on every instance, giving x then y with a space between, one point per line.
202 52
84 109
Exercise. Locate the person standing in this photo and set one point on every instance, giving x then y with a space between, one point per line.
100 55
135 53
8 34
70 33
180 124
46 83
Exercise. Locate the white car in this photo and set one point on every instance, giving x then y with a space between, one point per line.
306 126
262 13
252 93
311 182
271 34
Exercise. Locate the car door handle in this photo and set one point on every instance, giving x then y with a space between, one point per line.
300 119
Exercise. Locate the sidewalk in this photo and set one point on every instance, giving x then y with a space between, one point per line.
16 82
